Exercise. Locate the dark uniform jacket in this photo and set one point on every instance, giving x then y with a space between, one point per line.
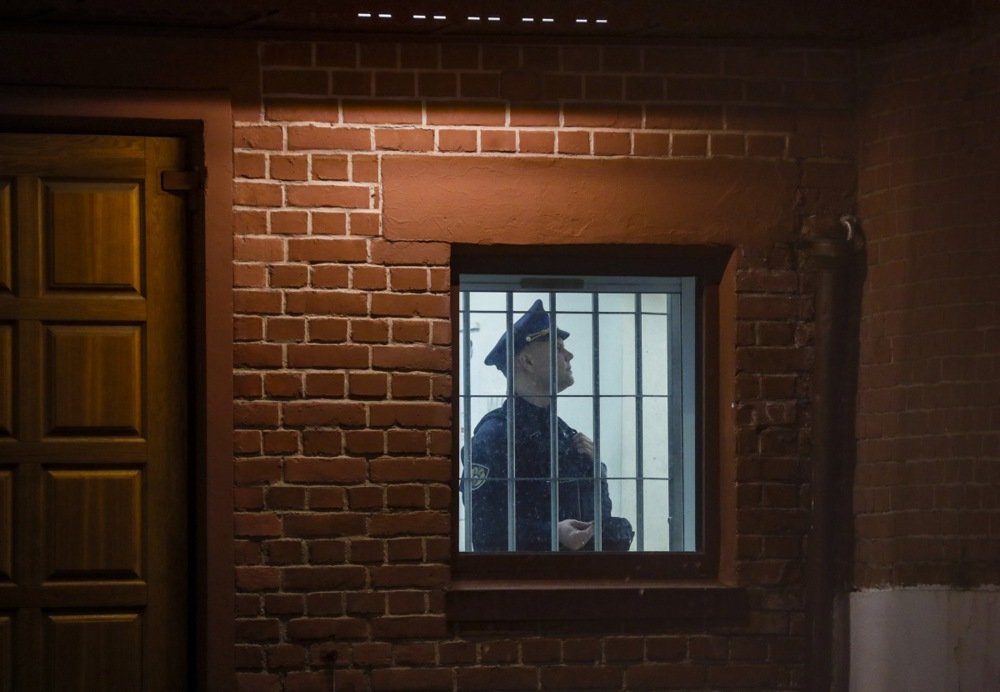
485 484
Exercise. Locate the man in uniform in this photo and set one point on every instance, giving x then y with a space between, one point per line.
485 481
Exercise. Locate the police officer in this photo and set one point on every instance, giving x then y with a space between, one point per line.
486 485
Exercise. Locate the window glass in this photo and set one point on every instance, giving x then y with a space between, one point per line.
586 388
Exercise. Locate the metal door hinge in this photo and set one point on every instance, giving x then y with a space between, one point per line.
182 181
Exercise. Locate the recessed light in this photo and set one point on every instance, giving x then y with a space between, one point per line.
473 19
439 16
527 19
420 16
364 15
601 21
547 19
493 19
384 15
581 21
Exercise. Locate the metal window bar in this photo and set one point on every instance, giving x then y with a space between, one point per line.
553 426
596 357
511 467
467 418
675 416
639 490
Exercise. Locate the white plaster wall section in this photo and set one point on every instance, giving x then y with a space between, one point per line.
925 639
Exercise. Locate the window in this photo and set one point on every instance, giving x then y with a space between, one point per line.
625 425
618 407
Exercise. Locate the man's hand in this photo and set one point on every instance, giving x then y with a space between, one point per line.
574 533
583 445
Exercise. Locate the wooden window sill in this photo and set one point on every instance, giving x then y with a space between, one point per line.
496 600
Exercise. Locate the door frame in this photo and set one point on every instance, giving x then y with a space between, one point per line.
205 121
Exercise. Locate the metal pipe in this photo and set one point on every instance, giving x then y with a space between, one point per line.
830 543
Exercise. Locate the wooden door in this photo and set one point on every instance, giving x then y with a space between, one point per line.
94 461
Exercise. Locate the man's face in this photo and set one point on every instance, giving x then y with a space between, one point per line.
536 360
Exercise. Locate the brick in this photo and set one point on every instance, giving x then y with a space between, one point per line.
292 81
327 577
258 137
532 142
365 224
329 138
327 249
409 253
318 195
704 90
395 84
332 356
327 552
406 550
257 630
411 678
612 143
410 414
682 60
314 628
325 385
364 441
581 677
332 524
321 442
257 524
457 141
325 222
327 329
326 470
410 576
249 165
404 140
370 331
478 85
498 141
465 112
257 579
411 627
404 469
651 144
410 524
573 142
365 384
602 115
329 276
326 303
406 497
382 112
688 145
407 305
416 357
660 676
437 85
330 167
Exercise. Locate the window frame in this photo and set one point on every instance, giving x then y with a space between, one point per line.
477 571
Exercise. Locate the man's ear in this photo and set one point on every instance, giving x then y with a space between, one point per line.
525 360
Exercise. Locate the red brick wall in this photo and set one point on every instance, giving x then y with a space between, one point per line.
342 368
928 480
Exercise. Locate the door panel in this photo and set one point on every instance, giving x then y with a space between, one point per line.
93 380
93 239
94 470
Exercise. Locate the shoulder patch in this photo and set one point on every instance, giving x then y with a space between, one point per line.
478 474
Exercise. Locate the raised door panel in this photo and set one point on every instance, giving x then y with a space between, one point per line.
93 524
93 237
90 652
93 379
7 380
6 237
6 524
6 653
